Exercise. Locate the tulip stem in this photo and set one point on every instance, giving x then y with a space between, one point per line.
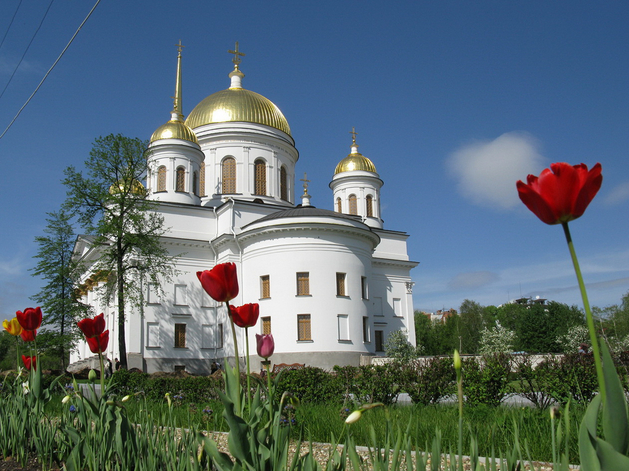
231 321
248 369
588 312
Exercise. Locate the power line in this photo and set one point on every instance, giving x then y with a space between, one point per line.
11 23
27 48
50 70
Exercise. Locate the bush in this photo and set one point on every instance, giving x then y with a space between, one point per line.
428 380
533 382
572 377
486 380
310 384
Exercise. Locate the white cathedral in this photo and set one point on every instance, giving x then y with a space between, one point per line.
332 284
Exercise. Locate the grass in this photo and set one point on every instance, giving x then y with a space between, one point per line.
492 426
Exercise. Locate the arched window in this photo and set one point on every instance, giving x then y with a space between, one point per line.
195 183
180 184
283 184
369 202
202 180
161 178
260 177
353 209
229 175
339 205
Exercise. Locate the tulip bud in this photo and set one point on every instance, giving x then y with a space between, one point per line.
66 399
170 402
457 360
126 398
354 417
92 376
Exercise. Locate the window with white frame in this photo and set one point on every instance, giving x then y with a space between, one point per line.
343 327
181 295
152 334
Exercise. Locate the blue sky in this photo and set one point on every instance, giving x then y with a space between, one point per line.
453 102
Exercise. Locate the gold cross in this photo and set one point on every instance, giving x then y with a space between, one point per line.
353 133
305 180
179 46
236 60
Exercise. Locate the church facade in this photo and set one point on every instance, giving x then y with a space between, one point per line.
332 284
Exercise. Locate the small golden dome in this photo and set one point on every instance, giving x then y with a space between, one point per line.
237 104
119 187
174 129
355 161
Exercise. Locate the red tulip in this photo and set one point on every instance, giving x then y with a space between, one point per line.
98 343
30 319
95 334
29 361
221 282
28 335
561 193
92 327
245 315
265 345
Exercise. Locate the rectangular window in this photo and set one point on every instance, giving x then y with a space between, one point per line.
397 307
303 284
219 336
266 325
152 334
180 368
363 287
379 335
377 306
303 327
152 294
343 327
366 336
340 284
180 335
265 287
207 340
181 295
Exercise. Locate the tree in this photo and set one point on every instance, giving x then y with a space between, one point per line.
498 339
56 298
111 204
398 347
471 325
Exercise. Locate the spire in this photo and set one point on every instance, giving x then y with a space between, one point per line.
176 113
236 75
354 146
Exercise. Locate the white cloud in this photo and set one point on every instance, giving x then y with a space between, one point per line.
618 195
472 280
486 171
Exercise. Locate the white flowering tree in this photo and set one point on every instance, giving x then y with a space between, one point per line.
498 339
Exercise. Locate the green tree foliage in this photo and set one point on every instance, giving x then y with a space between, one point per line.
437 338
56 266
471 326
111 204
537 326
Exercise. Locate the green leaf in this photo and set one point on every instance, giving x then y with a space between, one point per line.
587 437
609 458
615 423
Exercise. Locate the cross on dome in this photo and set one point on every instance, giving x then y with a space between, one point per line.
237 55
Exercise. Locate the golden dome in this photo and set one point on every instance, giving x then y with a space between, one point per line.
237 104
119 187
174 129
355 161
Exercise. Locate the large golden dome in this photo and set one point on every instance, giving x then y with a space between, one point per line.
237 105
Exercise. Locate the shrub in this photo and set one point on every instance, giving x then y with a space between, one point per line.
572 377
486 380
533 381
428 380
310 384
